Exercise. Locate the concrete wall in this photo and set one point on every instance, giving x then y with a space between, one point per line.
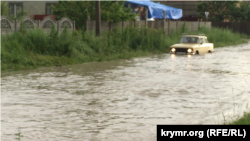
242 27
34 7
167 26
9 26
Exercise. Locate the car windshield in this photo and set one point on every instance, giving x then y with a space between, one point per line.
189 40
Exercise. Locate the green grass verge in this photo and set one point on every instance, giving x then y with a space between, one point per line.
245 120
32 49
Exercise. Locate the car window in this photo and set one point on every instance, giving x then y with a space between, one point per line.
201 40
204 40
189 40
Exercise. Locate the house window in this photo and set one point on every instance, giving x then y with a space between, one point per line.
49 10
15 8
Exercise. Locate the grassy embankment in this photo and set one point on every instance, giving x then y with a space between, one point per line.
28 50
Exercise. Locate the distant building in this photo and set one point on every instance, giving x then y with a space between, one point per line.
33 8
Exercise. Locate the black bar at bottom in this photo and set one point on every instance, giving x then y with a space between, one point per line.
203 132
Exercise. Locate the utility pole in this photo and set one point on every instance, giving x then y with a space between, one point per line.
98 18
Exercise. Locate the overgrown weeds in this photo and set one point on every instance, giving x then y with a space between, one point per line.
245 120
34 48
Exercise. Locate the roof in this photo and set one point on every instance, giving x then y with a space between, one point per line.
156 9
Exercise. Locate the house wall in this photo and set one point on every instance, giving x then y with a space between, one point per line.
34 7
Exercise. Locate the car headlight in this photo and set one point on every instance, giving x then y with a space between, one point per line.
173 49
189 50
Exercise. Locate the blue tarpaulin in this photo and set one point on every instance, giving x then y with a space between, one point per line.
156 9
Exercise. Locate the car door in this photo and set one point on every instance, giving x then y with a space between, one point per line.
202 48
209 45
205 45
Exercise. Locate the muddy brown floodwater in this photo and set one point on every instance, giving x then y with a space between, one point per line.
124 100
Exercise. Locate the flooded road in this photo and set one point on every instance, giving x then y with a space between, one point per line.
125 99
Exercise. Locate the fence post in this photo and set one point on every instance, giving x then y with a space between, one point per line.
58 28
176 26
146 18
168 26
192 26
15 25
198 25
164 21
109 26
87 25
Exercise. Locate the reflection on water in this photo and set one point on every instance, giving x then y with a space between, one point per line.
124 99
172 56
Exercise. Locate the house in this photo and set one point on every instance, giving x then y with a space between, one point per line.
37 9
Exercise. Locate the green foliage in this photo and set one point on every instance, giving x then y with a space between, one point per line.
112 11
75 10
20 15
4 9
22 50
80 11
218 10
1 52
245 120
241 13
221 37
19 135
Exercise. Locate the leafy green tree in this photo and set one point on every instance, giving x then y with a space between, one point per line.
241 13
80 11
4 9
112 11
218 10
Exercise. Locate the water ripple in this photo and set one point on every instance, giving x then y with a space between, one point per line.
125 99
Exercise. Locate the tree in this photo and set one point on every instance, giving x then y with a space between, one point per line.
4 9
218 10
241 13
80 11
112 11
